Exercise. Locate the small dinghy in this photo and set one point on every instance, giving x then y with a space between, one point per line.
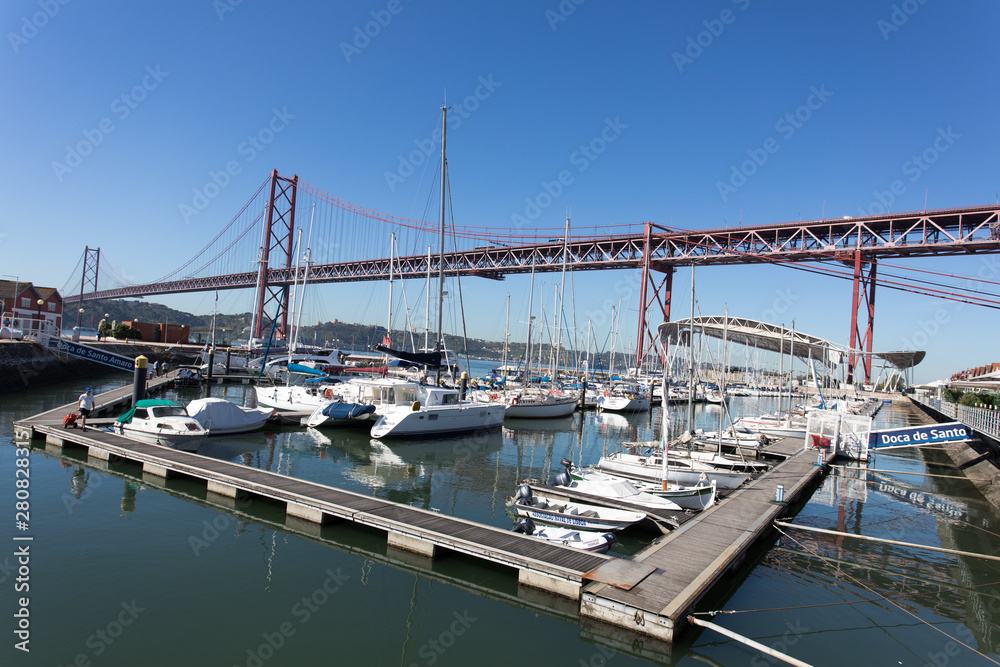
578 539
571 514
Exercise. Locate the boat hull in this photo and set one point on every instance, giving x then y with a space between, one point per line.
439 420
182 442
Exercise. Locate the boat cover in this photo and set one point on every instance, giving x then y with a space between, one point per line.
220 414
347 410
145 403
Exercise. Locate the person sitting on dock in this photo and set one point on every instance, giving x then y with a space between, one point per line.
86 405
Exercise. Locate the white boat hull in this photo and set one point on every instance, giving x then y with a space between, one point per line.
439 420
182 441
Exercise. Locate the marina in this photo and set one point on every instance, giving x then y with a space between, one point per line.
546 566
272 507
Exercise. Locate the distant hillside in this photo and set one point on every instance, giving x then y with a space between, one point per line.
342 335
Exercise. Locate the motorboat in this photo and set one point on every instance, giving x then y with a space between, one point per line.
161 422
695 497
221 417
578 539
644 461
572 514
188 376
613 489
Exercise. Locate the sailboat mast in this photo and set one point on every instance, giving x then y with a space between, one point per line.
388 317
506 339
791 366
306 259
427 309
690 420
444 141
562 287
527 346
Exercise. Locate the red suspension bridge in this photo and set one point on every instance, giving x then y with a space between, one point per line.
263 233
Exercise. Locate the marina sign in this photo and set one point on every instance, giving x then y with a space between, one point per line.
100 356
917 436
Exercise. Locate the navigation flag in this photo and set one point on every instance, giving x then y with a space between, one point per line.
386 340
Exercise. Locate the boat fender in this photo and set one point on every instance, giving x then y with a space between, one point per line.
416 406
328 392
524 493
525 526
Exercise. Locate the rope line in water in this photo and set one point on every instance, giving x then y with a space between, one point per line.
860 583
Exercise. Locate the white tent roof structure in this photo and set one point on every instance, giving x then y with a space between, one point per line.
778 339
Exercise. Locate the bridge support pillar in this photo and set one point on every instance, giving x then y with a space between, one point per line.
650 294
277 236
862 295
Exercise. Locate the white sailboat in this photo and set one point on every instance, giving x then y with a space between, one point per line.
410 409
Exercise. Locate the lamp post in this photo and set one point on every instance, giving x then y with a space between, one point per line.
40 302
76 330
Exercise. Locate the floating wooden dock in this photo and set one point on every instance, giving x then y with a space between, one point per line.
650 594
690 560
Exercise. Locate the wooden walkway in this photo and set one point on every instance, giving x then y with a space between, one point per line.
551 567
685 564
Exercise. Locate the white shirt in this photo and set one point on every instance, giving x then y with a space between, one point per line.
87 401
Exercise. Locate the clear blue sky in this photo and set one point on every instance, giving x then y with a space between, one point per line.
884 84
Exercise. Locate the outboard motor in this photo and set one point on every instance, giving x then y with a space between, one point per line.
525 525
611 538
524 493
565 478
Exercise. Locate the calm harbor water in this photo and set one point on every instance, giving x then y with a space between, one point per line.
125 570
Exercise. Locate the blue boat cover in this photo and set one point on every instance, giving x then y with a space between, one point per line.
347 410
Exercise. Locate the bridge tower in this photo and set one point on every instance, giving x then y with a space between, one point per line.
863 294
659 294
276 245
91 268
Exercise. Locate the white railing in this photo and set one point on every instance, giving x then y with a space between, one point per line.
984 420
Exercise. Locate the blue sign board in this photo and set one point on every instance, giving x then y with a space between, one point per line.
913 436
100 356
